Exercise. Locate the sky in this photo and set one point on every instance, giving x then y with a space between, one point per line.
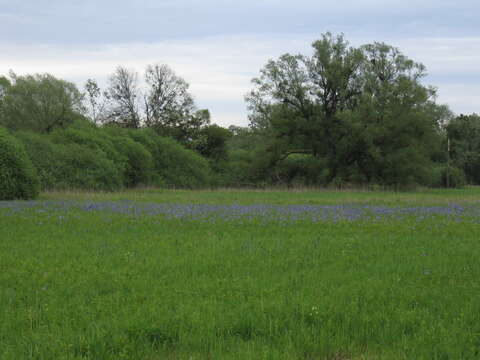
219 46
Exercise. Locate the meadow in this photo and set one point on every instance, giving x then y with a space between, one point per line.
313 274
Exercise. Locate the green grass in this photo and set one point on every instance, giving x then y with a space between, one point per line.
321 196
81 285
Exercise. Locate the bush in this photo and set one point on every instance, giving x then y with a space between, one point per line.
69 165
83 168
176 166
18 179
88 135
87 157
44 155
139 168
456 177
303 170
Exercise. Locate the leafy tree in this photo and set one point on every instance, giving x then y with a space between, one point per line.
298 98
395 126
39 103
464 135
363 110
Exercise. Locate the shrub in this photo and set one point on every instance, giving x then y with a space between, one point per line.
176 166
81 167
139 168
456 177
239 168
303 170
18 179
88 135
44 155
69 165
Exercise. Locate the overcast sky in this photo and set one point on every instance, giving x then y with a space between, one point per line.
218 46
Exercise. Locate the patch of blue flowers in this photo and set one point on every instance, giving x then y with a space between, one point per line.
315 213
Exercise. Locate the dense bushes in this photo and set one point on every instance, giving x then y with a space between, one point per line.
18 179
174 164
86 157
69 165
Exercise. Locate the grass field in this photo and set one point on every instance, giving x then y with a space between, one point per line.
354 275
320 197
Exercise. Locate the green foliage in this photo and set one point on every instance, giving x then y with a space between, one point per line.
212 142
140 165
71 165
177 166
45 156
447 176
39 103
240 169
84 168
302 170
18 179
363 111
464 135
86 134
84 156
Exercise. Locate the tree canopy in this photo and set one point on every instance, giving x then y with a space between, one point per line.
38 102
363 110
339 116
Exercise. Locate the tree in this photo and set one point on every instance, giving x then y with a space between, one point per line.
396 122
96 101
298 98
464 135
363 110
212 142
169 107
39 102
167 100
123 94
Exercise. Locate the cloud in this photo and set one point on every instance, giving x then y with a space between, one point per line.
152 21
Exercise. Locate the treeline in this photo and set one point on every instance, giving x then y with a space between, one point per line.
342 117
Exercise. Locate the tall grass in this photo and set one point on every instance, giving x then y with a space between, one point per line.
98 285
318 196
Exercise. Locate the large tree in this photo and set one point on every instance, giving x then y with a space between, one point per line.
394 126
363 110
298 98
39 102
